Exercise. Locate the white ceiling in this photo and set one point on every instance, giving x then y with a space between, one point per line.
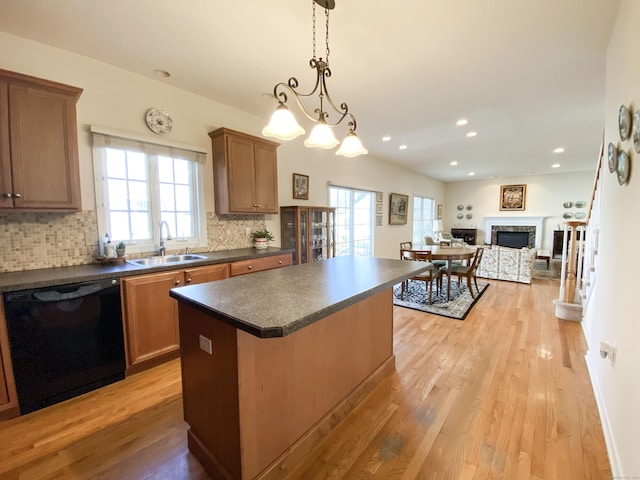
528 75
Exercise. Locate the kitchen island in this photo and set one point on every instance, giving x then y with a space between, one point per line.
272 361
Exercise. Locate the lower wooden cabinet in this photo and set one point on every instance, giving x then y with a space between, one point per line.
8 394
151 316
258 264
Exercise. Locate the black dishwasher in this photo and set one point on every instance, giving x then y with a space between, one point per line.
64 340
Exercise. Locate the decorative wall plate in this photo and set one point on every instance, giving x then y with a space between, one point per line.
469 207
580 215
460 216
567 215
612 157
624 122
460 207
580 204
623 167
635 131
158 121
567 204
469 216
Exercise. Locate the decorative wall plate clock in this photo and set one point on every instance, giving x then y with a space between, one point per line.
158 121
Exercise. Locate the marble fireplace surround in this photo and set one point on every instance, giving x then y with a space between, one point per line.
514 224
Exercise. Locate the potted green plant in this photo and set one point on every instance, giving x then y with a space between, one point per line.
120 249
261 238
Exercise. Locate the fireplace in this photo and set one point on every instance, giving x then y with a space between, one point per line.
515 236
512 239
532 226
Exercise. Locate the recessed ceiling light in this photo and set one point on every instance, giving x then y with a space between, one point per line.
472 134
402 147
453 164
555 165
462 122
471 174
558 150
161 73
386 138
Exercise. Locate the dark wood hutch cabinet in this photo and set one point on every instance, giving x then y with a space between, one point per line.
467 234
310 231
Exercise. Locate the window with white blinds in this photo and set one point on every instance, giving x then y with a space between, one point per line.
140 184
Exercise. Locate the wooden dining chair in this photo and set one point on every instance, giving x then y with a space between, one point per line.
468 271
405 246
429 277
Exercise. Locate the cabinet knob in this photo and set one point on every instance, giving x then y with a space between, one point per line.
188 280
279 262
17 195
250 267
6 195
177 282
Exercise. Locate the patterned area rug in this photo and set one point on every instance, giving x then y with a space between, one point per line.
459 305
540 269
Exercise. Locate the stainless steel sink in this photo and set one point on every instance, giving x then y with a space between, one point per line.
163 260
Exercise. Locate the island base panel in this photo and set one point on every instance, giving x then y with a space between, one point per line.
254 398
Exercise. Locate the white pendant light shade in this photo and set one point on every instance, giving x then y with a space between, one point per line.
351 146
321 137
283 125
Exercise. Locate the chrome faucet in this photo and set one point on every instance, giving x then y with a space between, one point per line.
162 247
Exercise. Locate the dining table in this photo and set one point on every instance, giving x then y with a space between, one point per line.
439 252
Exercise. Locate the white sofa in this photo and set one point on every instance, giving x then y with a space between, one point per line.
503 263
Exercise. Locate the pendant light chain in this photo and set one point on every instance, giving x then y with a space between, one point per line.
314 28
326 14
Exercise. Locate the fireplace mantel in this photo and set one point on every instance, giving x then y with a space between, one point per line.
511 221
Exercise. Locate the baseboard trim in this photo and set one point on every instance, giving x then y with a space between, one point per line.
609 438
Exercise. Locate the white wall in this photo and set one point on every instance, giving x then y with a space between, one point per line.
118 99
612 313
545 196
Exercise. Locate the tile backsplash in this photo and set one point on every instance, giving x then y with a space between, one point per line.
31 240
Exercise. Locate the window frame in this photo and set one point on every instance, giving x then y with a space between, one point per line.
151 245
422 220
352 245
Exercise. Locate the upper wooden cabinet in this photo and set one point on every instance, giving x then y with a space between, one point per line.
38 144
245 171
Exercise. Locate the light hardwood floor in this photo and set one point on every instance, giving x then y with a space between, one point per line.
504 394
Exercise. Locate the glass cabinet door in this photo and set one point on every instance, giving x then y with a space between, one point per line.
304 222
319 235
289 226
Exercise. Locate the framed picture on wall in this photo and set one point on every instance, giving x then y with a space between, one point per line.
378 197
398 209
512 197
378 220
300 186
439 212
379 209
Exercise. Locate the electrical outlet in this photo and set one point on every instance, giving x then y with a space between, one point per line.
247 231
205 344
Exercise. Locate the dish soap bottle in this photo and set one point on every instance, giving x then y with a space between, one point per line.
109 248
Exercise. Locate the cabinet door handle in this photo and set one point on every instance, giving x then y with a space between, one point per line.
17 195
7 195
177 282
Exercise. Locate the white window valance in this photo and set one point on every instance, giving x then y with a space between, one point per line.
110 140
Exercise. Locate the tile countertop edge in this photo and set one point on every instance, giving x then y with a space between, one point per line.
201 300
48 277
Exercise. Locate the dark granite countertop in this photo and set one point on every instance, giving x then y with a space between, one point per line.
48 277
276 303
